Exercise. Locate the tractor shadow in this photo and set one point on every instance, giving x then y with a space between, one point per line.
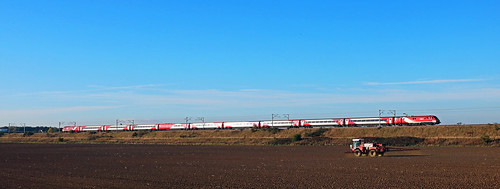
411 153
406 155
388 156
416 153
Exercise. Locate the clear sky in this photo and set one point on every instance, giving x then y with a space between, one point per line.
159 61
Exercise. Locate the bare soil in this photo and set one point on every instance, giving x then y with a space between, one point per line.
164 166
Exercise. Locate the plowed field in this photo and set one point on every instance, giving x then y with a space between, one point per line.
162 166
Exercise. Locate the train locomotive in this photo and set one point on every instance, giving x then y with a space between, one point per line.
299 123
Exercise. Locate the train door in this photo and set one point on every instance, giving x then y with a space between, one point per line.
397 121
346 122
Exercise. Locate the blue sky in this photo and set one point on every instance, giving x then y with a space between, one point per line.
96 61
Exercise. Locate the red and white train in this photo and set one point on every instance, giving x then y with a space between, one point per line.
331 122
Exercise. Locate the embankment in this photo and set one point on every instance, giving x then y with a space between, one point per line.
464 135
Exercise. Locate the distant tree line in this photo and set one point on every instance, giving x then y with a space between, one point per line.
37 129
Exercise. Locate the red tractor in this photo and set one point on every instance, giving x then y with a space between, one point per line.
359 147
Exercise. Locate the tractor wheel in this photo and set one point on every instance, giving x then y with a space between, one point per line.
372 153
357 153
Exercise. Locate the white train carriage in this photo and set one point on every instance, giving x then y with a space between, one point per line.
277 123
178 126
92 128
144 127
117 128
322 122
241 124
369 121
209 125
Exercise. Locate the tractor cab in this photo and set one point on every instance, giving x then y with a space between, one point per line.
356 143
